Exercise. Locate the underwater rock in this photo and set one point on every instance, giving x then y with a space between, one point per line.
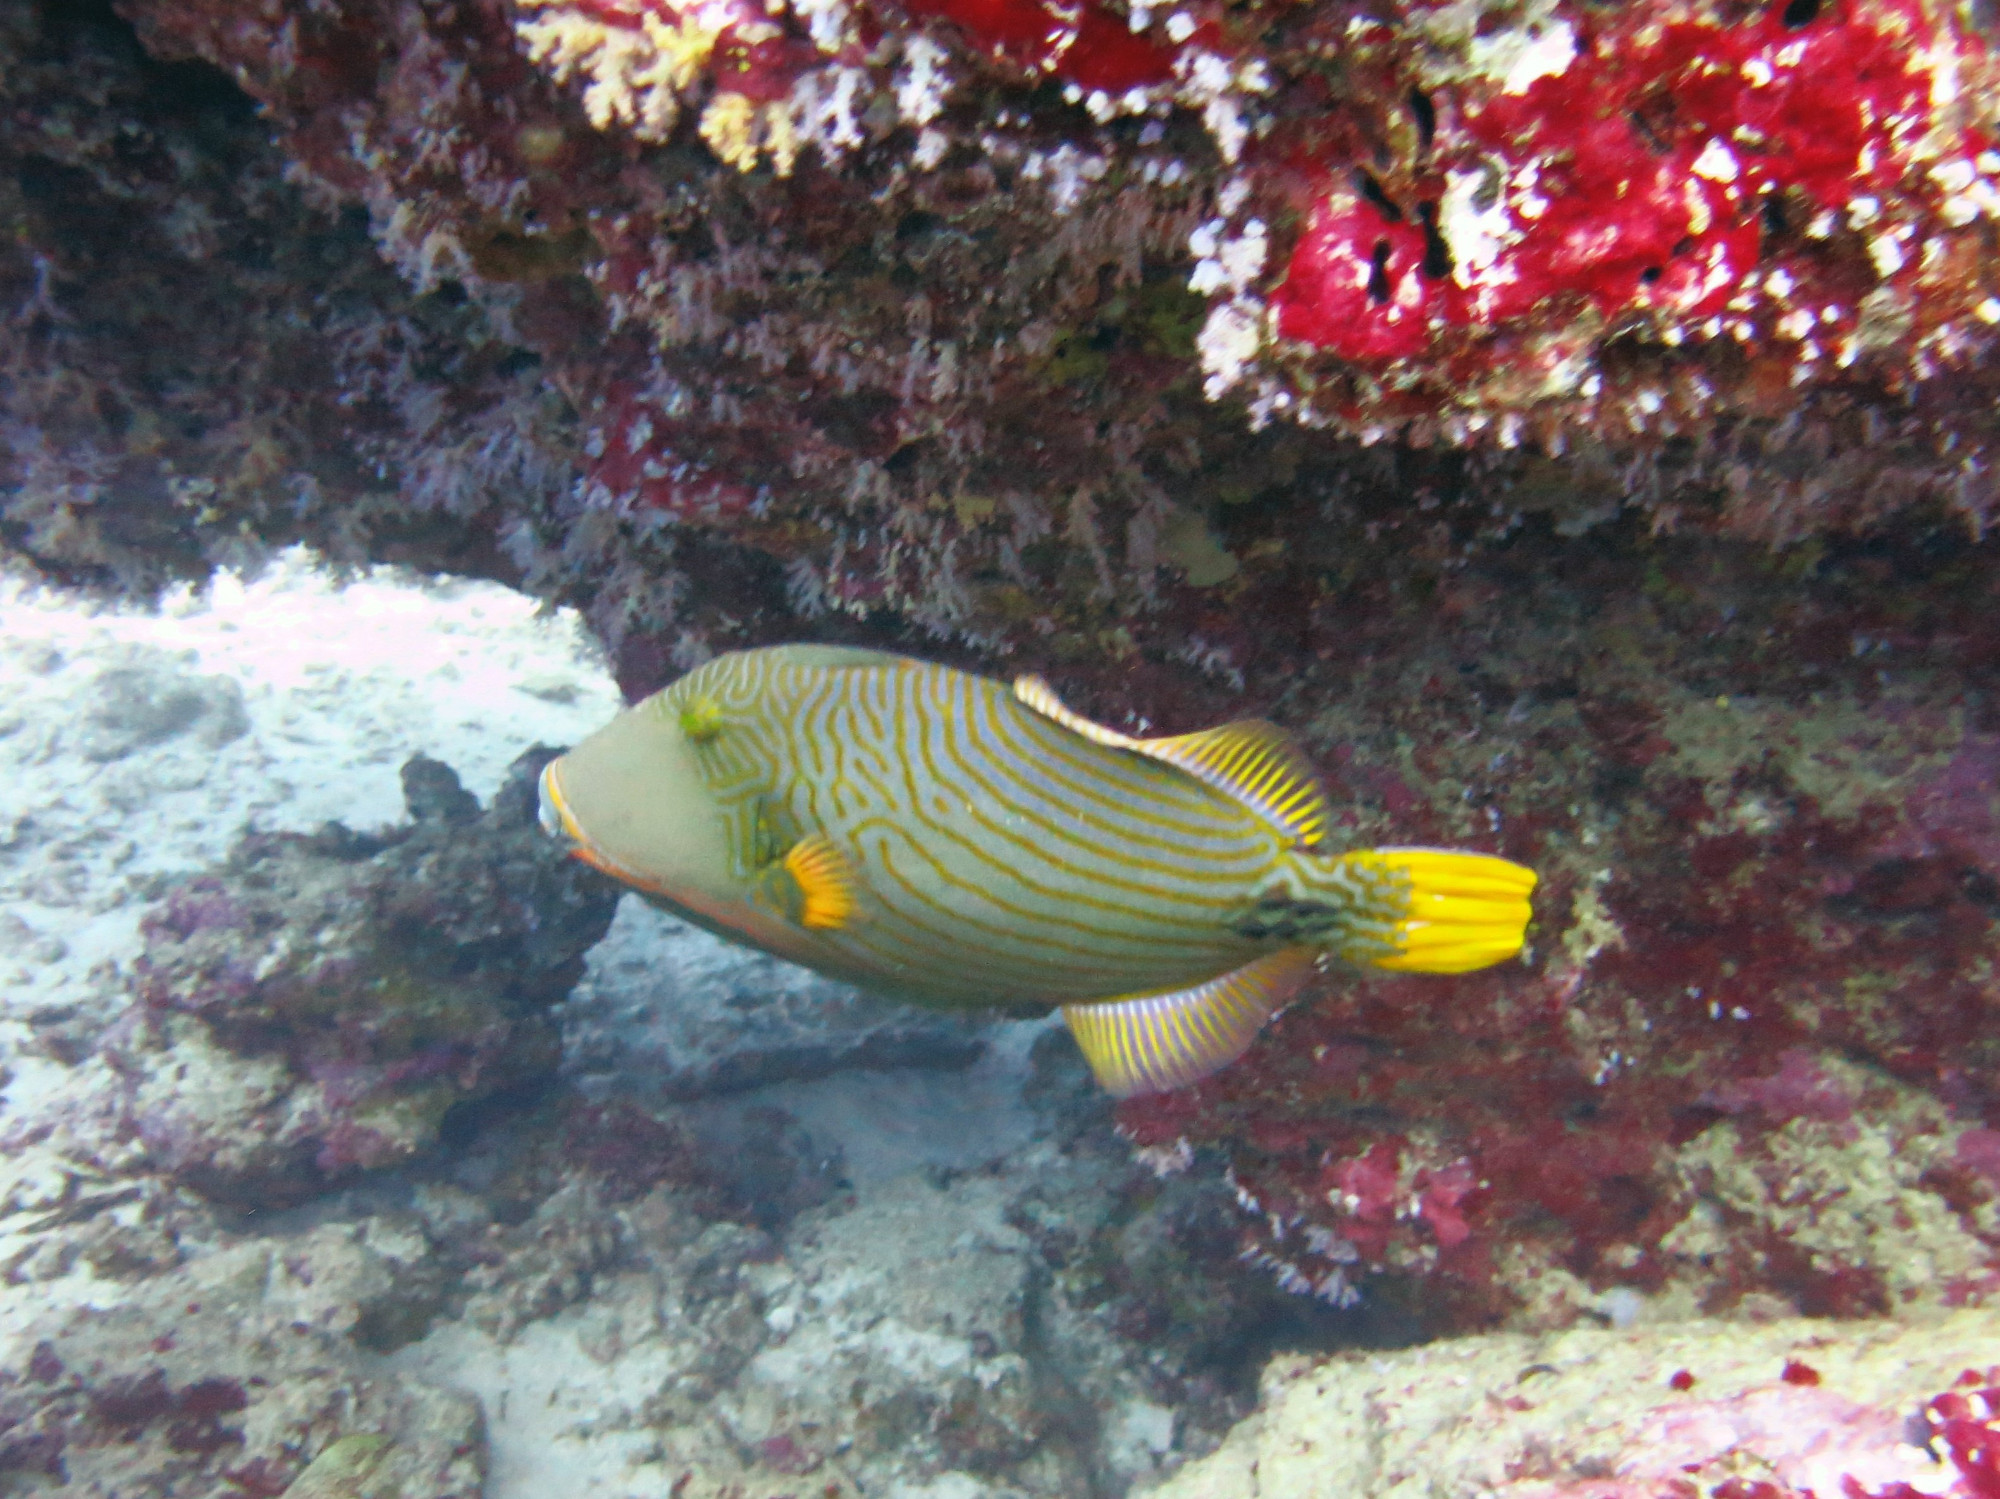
318 1004
1777 1411
665 1010
936 320
545 1265
201 350
949 1332
226 1377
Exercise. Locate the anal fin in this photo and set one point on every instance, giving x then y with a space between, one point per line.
1150 1043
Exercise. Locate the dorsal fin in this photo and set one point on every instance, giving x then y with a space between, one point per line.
1252 760
1036 693
1257 763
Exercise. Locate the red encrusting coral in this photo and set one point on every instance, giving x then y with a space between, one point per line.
931 305
632 455
1642 176
1088 45
1964 1425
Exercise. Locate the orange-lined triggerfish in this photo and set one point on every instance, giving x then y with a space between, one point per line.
953 841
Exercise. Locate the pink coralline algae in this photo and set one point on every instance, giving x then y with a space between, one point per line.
1664 176
1805 1442
1088 45
1802 1442
1965 1422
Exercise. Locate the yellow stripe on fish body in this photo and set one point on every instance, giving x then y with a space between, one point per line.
997 857
950 839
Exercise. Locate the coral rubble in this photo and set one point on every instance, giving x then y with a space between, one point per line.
233 1376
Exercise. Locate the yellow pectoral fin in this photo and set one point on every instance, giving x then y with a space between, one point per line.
1466 911
1153 1042
826 882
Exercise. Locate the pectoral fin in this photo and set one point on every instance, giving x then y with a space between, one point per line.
1150 1043
825 880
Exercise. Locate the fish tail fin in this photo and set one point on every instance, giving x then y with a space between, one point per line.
1149 1043
1433 910
826 882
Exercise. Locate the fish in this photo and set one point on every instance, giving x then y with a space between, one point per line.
961 842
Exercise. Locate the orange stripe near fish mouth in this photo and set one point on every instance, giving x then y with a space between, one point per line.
737 917
559 822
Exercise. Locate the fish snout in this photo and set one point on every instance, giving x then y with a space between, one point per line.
559 821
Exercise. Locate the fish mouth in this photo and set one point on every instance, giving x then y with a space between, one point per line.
551 811
559 822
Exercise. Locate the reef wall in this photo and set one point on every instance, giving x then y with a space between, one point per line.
1024 327
1575 423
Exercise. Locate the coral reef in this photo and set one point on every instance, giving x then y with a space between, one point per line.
320 1003
1778 1411
1299 361
576 1295
942 1332
959 322
198 362
627 1312
1651 218
1747 1062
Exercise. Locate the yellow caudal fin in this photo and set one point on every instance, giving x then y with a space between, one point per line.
826 882
1464 911
1151 1043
